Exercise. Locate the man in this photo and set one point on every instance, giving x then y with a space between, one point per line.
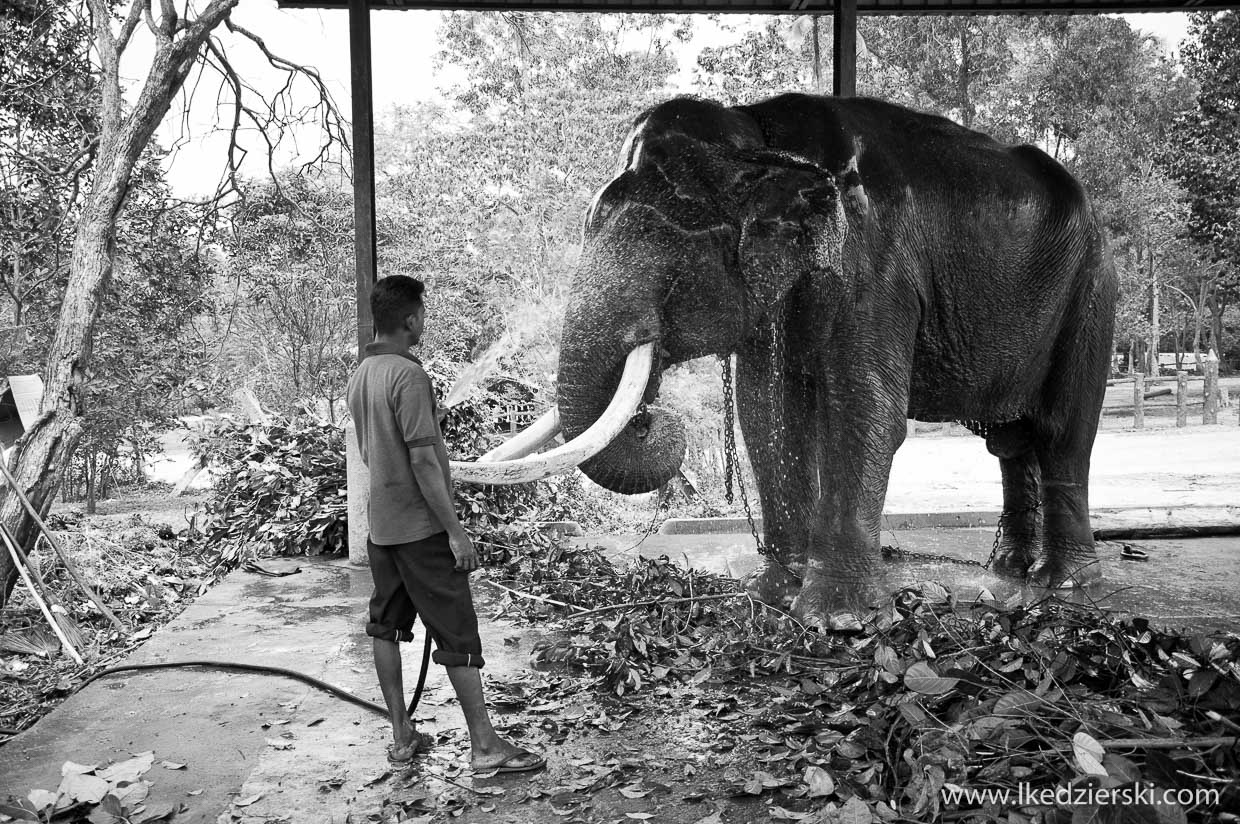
420 555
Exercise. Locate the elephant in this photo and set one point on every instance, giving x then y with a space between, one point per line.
864 263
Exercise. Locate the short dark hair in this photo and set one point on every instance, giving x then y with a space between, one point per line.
393 299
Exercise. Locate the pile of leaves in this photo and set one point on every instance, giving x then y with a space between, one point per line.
143 572
280 489
931 699
116 794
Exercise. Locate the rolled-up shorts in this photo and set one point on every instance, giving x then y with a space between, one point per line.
420 579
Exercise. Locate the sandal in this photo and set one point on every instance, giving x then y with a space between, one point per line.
421 743
507 765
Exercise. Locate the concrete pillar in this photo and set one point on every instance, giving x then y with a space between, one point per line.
358 495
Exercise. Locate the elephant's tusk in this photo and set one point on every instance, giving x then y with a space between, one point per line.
581 448
528 440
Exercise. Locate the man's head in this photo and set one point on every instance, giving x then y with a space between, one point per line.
397 309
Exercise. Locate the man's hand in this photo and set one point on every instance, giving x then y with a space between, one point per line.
463 549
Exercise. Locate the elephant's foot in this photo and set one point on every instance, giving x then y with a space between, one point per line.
772 584
834 607
1014 559
1066 569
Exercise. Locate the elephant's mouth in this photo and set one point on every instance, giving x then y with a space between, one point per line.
634 446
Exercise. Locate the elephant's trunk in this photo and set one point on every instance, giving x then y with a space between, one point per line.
648 452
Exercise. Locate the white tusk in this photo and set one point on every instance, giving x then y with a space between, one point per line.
581 448
528 440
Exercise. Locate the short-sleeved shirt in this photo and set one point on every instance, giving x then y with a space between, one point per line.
394 409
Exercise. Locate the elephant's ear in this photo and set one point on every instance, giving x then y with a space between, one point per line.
794 226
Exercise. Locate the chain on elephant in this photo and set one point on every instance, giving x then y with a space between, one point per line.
732 472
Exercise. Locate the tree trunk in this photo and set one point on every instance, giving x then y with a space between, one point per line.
91 480
817 57
45 451
1155 331
964 79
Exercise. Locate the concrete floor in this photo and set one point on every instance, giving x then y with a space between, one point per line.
310 757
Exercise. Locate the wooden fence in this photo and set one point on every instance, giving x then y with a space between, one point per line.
1147 388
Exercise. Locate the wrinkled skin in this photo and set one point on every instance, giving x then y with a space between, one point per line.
911 267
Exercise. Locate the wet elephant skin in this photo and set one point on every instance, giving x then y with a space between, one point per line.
865 263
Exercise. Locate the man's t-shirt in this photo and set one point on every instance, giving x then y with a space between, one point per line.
393 407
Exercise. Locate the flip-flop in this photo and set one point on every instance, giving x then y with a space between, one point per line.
506 766
403 755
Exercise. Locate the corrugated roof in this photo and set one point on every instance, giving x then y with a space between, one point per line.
791 6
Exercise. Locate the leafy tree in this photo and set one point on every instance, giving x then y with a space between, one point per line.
953 65
484 198
776 57
290 255
117 130
1204 156
51 137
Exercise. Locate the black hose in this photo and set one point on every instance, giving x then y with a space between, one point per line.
233 665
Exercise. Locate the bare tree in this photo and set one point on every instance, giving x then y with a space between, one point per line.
184 41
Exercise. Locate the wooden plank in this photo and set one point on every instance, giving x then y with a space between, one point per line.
844 58
364 233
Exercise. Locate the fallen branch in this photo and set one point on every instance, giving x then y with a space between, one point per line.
658 601
531 597
1164 743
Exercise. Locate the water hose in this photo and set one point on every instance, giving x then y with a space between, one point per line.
265 669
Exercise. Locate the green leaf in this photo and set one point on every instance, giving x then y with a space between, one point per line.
1089 754
921 677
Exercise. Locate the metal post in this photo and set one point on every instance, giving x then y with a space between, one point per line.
844 57
364 255
1138 401
364 246
1181 399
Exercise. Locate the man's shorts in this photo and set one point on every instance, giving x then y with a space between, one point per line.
419 579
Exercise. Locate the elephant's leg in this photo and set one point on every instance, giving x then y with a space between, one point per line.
1064 440
1068 555
865 425
782 448
1012 443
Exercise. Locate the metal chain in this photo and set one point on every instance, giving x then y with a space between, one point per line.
732 469
949 559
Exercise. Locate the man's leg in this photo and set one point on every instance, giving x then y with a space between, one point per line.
487 749
392 683
391 617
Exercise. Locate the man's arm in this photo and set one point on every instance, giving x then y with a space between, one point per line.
429 476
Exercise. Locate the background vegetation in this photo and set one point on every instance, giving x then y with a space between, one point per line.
482 195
